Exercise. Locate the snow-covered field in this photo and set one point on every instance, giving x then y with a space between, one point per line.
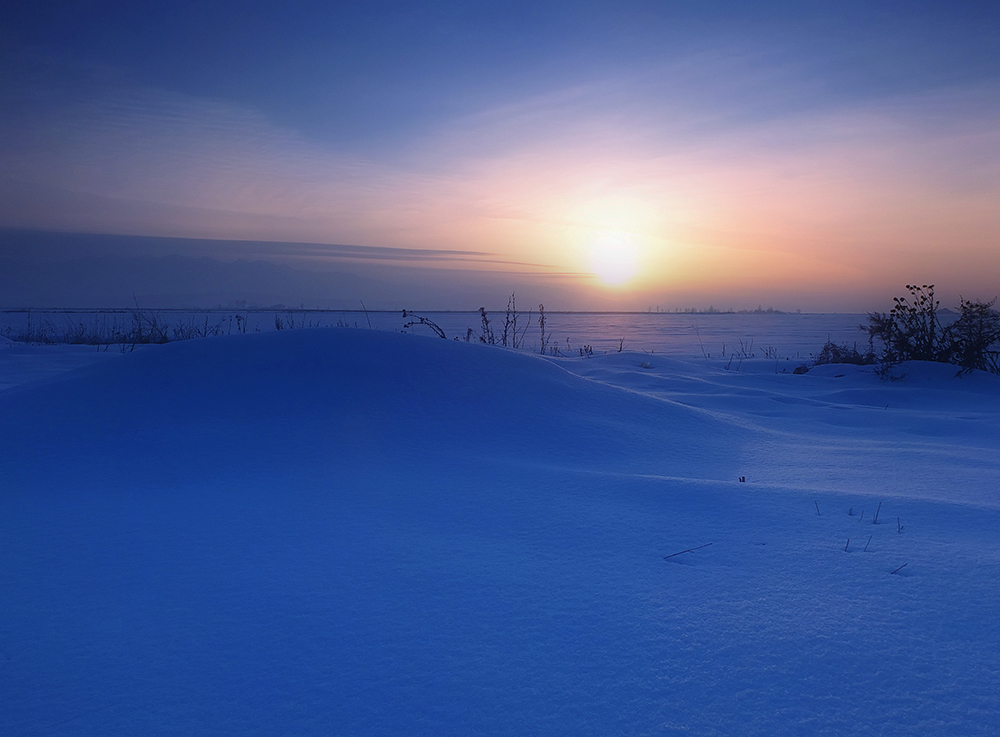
789 335
355 532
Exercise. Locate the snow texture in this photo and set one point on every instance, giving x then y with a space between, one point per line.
353 532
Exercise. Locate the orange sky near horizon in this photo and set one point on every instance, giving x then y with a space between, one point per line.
724 175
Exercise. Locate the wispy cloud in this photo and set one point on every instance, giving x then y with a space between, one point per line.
698 158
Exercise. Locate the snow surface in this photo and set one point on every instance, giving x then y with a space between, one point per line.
353 532
20 363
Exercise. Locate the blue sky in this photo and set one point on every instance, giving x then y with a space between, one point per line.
809 143
357 73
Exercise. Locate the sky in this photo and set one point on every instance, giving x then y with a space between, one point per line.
804 155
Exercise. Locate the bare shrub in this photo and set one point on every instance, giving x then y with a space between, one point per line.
974 338
912 331
834 353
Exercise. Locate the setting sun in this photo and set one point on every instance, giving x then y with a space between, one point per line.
614 259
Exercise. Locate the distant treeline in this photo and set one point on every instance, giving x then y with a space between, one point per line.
712 310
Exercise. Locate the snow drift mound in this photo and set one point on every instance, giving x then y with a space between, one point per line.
361 533
336 396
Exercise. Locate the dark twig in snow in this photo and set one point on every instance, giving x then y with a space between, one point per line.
866 544
665 557
541 325
699 342
848 544
899 569
418 320
875 521
817 508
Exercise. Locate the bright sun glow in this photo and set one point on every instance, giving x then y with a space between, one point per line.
614 259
